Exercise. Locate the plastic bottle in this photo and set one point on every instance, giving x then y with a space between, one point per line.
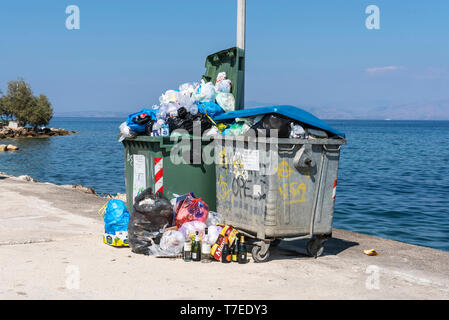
165 131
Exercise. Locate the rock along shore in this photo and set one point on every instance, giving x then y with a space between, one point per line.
21 132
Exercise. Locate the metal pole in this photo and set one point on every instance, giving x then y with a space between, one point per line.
241 23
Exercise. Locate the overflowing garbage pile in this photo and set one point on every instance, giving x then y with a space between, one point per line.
200 105
179 108
181 228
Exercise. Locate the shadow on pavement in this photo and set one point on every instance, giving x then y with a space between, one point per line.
297 249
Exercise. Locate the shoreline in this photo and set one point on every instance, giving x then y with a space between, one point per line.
21 132
84 189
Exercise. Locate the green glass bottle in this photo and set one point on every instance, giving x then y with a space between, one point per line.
196 248
235 250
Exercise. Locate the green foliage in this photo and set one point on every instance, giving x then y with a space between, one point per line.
19 104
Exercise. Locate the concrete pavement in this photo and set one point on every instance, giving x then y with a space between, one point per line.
51 248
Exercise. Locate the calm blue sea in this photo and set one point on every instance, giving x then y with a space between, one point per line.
393 178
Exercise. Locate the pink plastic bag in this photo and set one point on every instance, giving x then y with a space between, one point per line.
191 209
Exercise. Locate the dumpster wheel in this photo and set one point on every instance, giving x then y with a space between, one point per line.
257 256
315 247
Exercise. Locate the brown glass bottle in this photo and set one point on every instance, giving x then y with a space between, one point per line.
226 253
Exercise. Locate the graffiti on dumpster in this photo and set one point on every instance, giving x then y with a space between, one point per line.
291 192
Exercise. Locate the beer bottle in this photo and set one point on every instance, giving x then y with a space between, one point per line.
242 257
187 250
226 254
235 250
205 248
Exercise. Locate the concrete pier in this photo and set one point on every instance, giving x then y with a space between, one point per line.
51 248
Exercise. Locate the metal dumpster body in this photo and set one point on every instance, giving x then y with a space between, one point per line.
278 189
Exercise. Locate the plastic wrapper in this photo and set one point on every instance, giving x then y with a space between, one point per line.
211 132
224 86
205 92
172 242
235 129
210 108
188 89
226 101
116 217
191 209
214 218
220 77
151 215
212 234
192 227
297 131
126 132
116 220
169 96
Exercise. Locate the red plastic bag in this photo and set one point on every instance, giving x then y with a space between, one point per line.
191 209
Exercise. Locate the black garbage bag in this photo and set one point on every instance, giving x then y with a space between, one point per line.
151 214
273 121
149 128
185 120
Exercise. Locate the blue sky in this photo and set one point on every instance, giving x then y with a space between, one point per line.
304 53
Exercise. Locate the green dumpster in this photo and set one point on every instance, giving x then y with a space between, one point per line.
168 166
149 161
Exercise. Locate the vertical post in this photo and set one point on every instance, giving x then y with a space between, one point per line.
241 37
241 23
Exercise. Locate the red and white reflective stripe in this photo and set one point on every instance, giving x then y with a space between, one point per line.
158 175
334 190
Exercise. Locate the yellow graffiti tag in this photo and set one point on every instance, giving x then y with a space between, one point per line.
295 190
284 170
222 158
222 189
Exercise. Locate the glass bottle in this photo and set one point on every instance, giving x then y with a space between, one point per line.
242 257
205 248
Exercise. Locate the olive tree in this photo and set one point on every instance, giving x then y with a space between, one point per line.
21 105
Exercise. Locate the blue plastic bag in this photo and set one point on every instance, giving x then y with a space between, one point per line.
116 217
211 109
140 128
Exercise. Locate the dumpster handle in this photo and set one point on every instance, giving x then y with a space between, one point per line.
331 150
317 192
287 149
295 238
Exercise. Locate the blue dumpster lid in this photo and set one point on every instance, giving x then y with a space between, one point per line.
292 112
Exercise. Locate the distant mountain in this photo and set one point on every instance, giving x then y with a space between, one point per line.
434 110
92 114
